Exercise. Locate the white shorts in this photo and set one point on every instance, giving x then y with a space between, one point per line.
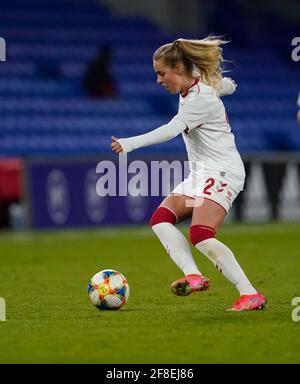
220 187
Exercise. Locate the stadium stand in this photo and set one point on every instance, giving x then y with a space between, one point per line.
48 113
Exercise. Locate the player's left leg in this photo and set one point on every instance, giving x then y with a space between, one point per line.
207 216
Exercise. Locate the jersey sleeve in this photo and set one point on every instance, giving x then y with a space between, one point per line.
164 133
193 111
228 87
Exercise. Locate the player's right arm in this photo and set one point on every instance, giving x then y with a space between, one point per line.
193 113
164 133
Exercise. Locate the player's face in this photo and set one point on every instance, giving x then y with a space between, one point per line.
169 78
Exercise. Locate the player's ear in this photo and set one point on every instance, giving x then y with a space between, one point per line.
179 68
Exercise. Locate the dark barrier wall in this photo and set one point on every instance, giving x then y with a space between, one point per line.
62 193
272 190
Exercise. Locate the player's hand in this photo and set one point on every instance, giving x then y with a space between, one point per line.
298 116
115 145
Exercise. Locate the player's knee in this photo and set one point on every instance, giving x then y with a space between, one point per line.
163 215
199 233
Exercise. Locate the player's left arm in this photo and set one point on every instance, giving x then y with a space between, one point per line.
228 86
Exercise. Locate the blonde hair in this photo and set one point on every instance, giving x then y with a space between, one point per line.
201 58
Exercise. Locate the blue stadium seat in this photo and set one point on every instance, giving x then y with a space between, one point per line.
44 110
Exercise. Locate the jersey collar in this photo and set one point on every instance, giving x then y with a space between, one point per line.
196 81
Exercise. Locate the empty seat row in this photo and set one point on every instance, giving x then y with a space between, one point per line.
68 106
64 144
84 125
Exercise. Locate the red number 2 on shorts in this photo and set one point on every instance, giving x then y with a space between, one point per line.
210 183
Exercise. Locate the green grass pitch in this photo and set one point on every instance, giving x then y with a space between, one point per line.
44 277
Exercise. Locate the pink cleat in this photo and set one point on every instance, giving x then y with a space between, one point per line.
190 284
249 303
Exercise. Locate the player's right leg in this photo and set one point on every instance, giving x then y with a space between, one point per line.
174 209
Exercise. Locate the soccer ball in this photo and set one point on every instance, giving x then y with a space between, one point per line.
108 289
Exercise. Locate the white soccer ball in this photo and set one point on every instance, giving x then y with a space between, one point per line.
108 289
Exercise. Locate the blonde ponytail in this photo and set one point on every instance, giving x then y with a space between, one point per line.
202 56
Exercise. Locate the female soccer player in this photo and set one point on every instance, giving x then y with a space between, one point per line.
193 68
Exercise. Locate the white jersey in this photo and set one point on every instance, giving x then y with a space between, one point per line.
208 137
202 121
217 171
